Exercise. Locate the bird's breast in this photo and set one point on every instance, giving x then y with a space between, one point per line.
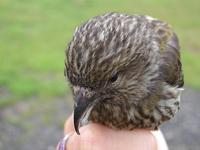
119 117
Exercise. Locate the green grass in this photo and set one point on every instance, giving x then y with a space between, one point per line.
34 34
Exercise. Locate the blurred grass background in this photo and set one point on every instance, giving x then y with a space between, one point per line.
34 35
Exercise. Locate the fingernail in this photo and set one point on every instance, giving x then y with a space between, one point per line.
62 144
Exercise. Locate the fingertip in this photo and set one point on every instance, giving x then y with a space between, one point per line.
152 141
160 140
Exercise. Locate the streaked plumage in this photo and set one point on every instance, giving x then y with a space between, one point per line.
125 71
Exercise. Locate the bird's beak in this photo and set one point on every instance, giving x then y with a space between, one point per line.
80 108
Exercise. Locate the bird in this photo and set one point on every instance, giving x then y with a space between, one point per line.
124 71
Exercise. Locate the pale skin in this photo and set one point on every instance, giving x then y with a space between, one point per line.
99 137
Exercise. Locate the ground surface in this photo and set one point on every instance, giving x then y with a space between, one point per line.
28 126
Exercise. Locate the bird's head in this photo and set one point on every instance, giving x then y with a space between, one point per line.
104 63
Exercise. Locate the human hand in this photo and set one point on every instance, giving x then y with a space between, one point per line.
99 137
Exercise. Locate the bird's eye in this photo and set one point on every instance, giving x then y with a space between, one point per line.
114 78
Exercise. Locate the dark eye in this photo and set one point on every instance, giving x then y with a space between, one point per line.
114 78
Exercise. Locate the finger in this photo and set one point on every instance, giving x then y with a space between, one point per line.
68 127
97 137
